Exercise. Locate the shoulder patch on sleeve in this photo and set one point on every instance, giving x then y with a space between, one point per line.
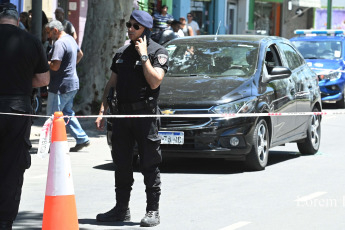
162 59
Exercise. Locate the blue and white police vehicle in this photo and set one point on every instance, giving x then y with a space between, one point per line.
324 51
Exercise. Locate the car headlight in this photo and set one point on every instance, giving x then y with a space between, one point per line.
245 105
331 76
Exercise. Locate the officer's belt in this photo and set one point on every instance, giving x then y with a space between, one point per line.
140 105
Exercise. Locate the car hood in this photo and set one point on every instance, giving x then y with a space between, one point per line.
198 92
320 65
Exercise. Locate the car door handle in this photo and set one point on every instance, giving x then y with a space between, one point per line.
310 86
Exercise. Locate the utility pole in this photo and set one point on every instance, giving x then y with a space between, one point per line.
36 24
329 14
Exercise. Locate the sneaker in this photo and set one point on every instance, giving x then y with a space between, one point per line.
78 147
115 214
150 219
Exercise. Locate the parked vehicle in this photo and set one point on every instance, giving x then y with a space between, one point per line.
324 51
237 74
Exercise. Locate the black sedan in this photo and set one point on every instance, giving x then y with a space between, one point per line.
237 74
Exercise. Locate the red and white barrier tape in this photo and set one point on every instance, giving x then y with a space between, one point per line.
224 115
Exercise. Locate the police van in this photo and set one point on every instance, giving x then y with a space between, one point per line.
324 51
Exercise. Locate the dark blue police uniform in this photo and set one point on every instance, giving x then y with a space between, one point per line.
135 96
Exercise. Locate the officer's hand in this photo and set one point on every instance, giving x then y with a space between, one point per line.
141 46
100 123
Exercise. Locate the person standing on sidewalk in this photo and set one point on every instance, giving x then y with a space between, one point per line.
23 65
137 72
67 25
64 83
193 24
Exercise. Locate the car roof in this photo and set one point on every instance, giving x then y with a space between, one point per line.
242 38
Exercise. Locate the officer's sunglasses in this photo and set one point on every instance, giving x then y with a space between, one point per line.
135 26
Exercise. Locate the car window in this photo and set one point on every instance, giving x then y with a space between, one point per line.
272 58
214 59
319 49
293 59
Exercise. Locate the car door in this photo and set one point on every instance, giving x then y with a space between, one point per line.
302 79
284 100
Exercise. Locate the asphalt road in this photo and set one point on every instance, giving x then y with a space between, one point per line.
294 192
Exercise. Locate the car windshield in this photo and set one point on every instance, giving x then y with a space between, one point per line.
212 58
319 49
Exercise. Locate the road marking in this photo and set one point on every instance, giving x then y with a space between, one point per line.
310 197
236 225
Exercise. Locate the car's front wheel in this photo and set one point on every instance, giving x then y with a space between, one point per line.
311 144
258 156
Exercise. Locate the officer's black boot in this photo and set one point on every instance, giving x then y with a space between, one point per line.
5 225
115 214
150 219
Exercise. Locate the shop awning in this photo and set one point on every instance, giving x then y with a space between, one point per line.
279 1
307 3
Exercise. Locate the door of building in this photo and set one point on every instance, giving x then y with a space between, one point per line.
231 18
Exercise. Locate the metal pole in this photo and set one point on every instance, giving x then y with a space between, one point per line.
36 23
329 14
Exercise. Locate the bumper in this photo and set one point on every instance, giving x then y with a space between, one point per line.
332 90
212 139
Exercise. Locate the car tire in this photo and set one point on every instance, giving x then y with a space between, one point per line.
341 103
258 156
311 144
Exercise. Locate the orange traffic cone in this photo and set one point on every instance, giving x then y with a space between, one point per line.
60 211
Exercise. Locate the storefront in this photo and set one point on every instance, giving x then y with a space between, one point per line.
267 17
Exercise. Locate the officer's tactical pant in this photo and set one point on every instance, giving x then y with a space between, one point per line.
14 154
145 132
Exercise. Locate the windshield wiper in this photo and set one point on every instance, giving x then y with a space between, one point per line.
313 58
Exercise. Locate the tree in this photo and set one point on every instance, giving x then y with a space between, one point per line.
105 32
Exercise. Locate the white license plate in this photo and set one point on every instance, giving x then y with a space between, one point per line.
171 137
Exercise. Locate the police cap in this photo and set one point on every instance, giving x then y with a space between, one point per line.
143 18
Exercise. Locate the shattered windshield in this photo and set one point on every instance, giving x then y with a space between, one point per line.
212 59
319 49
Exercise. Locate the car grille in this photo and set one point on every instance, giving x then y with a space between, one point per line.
170 122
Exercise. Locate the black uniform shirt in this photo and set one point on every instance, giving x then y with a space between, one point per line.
131 83
21 56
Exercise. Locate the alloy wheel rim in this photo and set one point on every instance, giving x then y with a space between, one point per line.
314 131
262 144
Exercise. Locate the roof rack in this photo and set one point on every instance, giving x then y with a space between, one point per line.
320 32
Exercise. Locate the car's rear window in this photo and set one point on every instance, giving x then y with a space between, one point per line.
319 49
212 59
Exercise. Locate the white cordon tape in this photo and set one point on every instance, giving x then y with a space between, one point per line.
330 70
224 115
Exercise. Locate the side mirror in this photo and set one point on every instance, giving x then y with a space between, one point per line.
278 72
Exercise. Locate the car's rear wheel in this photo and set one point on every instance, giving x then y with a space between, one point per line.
311 144
258 156
341 103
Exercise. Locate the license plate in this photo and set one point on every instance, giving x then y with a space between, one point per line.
171 137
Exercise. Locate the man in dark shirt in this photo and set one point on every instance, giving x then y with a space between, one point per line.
137 72
67 25
23 65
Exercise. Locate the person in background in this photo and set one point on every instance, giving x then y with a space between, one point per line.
187 30
160 22
67 25
64 82
24 19
137 72
172 33
193 24
23 65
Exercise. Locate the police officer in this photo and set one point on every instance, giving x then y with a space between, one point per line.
23 65
137 72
